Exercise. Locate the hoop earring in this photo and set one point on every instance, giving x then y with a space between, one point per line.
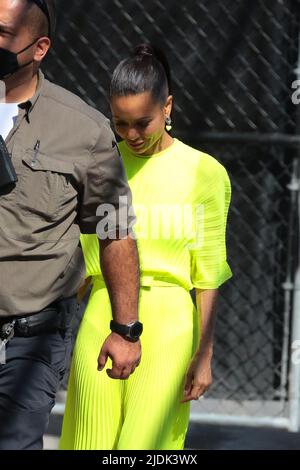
168 124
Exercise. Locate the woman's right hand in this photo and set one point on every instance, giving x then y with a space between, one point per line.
83 289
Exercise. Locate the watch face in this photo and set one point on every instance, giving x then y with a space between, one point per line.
136 330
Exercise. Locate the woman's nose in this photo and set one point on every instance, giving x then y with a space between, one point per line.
132 134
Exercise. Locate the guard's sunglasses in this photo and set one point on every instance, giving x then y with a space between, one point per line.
42 4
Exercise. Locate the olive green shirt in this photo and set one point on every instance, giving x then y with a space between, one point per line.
67 163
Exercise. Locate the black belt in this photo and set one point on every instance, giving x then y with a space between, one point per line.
56 316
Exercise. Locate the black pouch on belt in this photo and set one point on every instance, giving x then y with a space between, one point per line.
56 316
7 171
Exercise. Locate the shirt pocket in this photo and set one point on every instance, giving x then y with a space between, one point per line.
43 185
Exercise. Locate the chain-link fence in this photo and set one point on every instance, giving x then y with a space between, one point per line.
233 66
253 335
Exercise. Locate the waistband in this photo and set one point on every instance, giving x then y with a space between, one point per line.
147 281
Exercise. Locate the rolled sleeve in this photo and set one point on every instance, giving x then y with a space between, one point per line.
106 200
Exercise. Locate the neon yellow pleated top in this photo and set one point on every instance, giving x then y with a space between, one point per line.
181 198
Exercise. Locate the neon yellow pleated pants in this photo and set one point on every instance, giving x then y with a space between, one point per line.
143 412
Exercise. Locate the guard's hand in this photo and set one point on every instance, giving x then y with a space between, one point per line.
124 354
198 378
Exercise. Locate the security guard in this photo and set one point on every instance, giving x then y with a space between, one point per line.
63 163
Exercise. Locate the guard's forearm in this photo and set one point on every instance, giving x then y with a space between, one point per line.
120 268
206 305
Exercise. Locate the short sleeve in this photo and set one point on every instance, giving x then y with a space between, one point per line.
105 205
209 267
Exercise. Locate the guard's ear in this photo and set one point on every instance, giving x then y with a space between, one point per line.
42 47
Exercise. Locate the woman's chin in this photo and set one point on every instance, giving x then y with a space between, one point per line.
136 148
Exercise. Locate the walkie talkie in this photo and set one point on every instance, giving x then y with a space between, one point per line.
7 172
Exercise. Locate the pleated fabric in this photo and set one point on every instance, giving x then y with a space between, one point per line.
181 198
143 412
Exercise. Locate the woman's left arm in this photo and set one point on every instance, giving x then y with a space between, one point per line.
199 375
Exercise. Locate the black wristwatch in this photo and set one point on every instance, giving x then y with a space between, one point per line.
131 331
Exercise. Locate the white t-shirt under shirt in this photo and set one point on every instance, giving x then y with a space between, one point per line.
8 115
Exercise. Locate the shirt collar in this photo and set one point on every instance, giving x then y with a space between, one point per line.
28 105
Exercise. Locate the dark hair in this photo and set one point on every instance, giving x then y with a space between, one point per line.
42 17
146 70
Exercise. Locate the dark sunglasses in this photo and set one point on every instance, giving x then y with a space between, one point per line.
42 4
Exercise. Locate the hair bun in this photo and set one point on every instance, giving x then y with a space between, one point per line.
144 50
150 53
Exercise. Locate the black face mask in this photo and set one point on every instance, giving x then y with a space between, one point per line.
9 61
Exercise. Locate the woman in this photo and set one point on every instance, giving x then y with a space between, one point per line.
181 198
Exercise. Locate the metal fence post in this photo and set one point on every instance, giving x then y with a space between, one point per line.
294 388
288 285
